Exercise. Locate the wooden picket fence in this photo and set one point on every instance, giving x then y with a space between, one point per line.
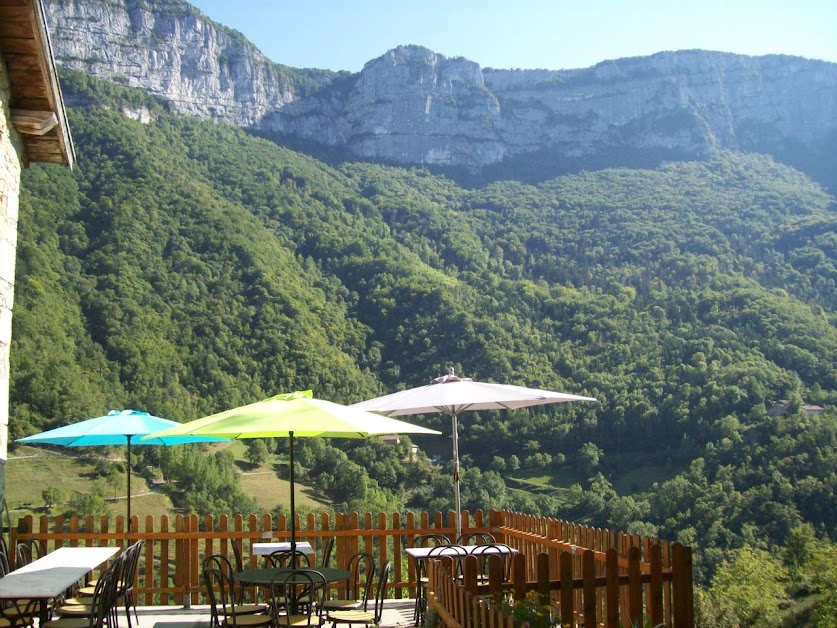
626 595
170 567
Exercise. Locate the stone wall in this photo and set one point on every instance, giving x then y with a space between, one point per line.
9 196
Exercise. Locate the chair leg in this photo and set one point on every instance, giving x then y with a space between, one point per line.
129 602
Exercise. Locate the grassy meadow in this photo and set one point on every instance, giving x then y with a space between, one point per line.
30 470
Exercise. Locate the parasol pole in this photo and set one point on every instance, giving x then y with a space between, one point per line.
129 481
457 502
293 504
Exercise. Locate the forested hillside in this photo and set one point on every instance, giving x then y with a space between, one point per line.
186 267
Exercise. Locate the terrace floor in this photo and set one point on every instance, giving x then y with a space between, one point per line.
397 614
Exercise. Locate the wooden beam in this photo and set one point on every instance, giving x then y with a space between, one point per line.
20 45
16 28
22 63
15 13
33 122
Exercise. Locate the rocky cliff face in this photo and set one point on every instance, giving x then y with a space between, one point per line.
172 50
414 106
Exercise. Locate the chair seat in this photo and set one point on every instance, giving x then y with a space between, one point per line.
74 610
343 605
296 620
90 588
21 608
78 601
250 609
247 620
356 616
67 622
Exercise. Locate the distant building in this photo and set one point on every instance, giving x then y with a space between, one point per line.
395 439
33 128
780 408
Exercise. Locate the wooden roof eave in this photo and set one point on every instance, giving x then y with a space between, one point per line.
37 112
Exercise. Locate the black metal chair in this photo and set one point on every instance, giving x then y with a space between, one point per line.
475 538
485 551
358 586
76 611
23 555
221 563
364 616
129 580
102 608
298 598
222 591
293 559
424 540
328 548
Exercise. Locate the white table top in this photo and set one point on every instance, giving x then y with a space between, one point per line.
459 550
51 575
265 549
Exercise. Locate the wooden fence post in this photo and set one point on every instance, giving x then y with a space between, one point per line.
681 566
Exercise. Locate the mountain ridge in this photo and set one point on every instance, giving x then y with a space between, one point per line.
414 106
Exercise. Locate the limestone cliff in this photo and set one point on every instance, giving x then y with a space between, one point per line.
414 106
175 52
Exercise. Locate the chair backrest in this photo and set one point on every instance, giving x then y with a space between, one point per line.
454 552
23 555
104 597
219 562
288 559
302 593
485 551
239 560
37 549
359 586
381 591
221 591
328 548
430 540
475 538
132 566
5 566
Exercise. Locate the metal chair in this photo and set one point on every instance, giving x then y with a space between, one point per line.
475 538
328 548
288 588
75 612
484 553
424 540
358 586
239 560
288 559
221 563
23 555
19 612
364 616
221 590
100 611
129 580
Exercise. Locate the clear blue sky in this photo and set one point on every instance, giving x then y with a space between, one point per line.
552 34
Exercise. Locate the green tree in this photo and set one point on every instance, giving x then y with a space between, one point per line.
750 585
88 503
257 451
799 548
589 456
52 496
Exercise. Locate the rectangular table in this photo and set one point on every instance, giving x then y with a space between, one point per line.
454 551
49 576
265 549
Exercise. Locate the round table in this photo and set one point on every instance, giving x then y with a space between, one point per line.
265 575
